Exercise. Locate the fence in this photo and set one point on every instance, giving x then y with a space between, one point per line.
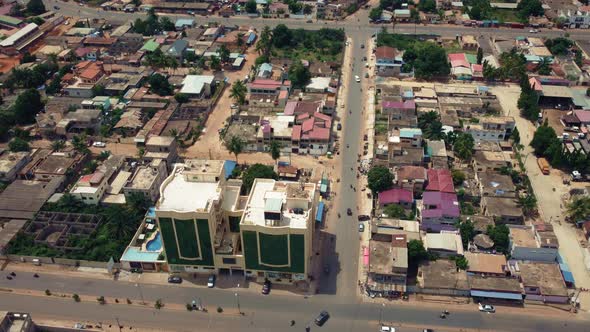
61 261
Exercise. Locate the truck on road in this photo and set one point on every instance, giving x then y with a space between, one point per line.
543 165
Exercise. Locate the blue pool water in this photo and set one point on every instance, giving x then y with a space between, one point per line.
155 244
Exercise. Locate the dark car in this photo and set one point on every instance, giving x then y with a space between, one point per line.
364 217
322 318
174 279
266 287
56 7
211 281
339 126
362 45
349 212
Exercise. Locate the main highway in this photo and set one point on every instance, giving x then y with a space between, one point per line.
261 313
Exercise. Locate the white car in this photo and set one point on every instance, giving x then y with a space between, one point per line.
487 308
99 144
385 328
533 31
361 227
357 78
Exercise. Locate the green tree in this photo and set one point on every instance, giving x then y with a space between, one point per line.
307 9
479 55
461 262
223 53
36 7
430 125
58 145
98 90
275 150
256 171
264 42
16 10
299 75
527 8
238 92
544 136
28 57
416 252
458 177
428 60
282 36
26 106
463 146
215 63
235 145
500 234
395 211
528 203
559 45
240 39
428 6
379 179
166 24
390 4
251 7
515 136
181 98
159 85
375 14
467 232
18 144
578 208
79 143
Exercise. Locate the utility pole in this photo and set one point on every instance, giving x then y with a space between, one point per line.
238 303
119 324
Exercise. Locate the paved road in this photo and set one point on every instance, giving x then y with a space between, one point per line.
359 22
271 313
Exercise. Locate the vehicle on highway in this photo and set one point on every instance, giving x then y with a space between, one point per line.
533 31
211 281
99 144
266 287
175 280
357 78
361 227
385 328
322 318
362 45
428 330
349 212
486 308
56 7
339 126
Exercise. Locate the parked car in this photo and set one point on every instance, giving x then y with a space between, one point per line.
428 330
364 217
99 144
322 318
174 279
357 78
362 45
211 281
349 212
56 7
533 31
487 308
266 287
339 126
385 328
361 227
190 12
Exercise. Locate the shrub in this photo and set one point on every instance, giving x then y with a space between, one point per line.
101 300
219 309
158 305
47 292
76 297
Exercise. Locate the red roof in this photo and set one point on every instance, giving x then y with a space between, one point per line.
440 180
385 52
307 125
477 68
459 60
395 196
266 84
320 133
296 133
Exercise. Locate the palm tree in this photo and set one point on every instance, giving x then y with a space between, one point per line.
223 53
240 39
235 145
528 203
58 145
174 133
578 208
238 92
79 143
275 150
263 45
215 63
430 125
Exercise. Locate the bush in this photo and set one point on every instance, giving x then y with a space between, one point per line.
47 292
189 307
101 300
219 309
158 305
129 301
76 297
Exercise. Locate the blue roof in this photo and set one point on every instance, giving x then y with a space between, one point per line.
251 38
567 275
410 132
319 216
134 254
184 21
228 167
497 295
265 67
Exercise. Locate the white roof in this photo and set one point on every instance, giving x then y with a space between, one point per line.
186 196
319 83
193 84
10 41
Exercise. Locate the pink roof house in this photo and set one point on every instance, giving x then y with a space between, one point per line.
440 180
398 196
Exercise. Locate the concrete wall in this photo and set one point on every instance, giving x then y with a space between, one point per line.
60 261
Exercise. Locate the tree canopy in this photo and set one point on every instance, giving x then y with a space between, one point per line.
36 7
428 6
235 145
159 85
500 234
257 171
416 252
430 125
299 75
26 106
251 7
463 146
544 136
428 60
375 14
527 8
559 45
379 179
18 144
467 232
395 211
578 208
238 92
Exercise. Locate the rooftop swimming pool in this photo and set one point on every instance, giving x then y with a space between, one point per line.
154 244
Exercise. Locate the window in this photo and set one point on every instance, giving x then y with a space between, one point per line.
229 260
